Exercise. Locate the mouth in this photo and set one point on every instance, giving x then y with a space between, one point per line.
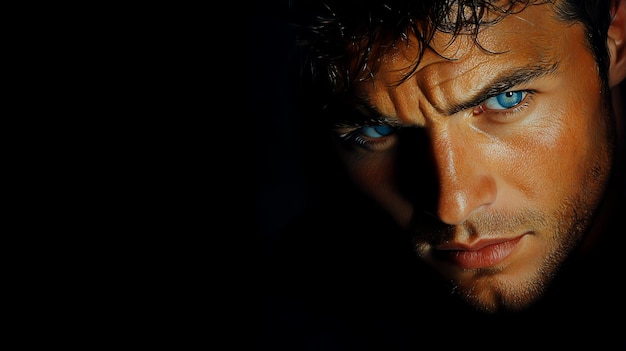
482 254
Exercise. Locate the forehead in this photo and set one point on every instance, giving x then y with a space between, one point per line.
533 36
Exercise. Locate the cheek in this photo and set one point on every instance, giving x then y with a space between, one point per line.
373 173
559 155
580 136
376 175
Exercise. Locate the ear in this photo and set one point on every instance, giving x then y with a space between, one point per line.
617 47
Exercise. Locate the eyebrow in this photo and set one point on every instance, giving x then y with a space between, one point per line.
360 113
502 83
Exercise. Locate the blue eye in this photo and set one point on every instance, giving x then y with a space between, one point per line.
369 138
505 100
376 131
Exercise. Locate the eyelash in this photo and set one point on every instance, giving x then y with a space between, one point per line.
356 138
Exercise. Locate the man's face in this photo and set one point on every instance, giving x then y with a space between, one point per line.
494 160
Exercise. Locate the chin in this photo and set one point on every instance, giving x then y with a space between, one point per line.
493 291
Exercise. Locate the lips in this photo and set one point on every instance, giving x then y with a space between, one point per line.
480 255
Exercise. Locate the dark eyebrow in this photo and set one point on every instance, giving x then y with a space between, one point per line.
502 83
359 113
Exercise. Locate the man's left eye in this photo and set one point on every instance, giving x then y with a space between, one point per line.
505 100
376 131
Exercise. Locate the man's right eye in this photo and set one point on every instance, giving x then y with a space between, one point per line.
376 131
370 138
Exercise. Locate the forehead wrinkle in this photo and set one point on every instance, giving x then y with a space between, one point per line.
399 102
443 81
409 102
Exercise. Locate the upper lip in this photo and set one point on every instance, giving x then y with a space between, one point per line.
477 245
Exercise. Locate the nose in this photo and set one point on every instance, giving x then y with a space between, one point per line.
465 181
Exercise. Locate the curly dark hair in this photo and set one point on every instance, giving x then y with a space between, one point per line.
329 33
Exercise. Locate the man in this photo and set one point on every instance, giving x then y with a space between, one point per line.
480 153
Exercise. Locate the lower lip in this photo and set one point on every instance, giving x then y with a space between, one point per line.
487 256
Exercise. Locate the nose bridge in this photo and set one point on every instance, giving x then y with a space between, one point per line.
464 181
